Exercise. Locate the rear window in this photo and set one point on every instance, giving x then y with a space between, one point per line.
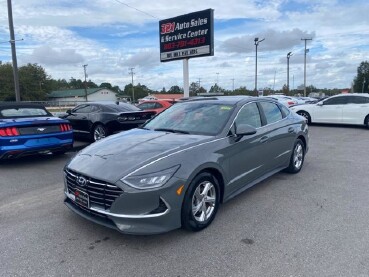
23 112
122 107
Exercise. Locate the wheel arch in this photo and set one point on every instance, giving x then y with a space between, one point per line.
304 111
366 120
217 175
302 138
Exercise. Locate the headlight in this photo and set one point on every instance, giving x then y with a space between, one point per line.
151 180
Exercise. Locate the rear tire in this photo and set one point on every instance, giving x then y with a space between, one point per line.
201 202
297 157
366 121
306 115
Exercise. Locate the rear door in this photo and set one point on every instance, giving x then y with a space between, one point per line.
356 109
279 135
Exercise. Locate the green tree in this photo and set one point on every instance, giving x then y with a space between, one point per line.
361 81
242 91
140 91
175 89
216 89
6 82
32 81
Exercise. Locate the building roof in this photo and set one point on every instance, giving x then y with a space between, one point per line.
74 92
163 96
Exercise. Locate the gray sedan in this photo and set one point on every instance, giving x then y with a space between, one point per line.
180 166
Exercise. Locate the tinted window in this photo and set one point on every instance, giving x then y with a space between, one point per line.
94 109
357 100
271 111
147 105
122 107
336 101
285 110
249 114
82 109
158 106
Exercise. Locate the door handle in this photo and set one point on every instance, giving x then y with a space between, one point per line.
264 139
291 130
83 117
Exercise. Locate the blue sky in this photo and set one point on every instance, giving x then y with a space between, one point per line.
113 35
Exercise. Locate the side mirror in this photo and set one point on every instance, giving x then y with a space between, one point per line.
69 111
245 130
319 104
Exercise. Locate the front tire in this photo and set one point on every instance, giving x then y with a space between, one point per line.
297 157
99 132
201 202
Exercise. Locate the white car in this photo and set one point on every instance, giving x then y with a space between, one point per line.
338 109
285 100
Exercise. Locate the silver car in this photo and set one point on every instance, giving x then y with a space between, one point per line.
178 168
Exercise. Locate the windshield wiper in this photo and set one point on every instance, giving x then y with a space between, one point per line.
171 130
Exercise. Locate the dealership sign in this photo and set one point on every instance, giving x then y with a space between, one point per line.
187 36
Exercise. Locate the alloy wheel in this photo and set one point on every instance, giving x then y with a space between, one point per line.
99 132
298 155
203 201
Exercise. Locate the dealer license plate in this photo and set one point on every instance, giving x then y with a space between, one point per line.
82 198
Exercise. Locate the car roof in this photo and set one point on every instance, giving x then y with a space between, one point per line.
232 100
350 94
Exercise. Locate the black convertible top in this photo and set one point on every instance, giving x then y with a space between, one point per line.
20 105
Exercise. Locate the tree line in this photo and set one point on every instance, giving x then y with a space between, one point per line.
36 84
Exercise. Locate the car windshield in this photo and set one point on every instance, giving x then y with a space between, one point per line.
203 118
10 112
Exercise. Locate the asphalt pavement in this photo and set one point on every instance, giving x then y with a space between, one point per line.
314 223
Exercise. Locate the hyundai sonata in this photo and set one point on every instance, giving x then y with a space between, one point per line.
177 169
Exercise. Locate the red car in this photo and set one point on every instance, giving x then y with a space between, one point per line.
154 105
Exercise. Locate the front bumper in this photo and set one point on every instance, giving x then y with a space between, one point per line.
136 212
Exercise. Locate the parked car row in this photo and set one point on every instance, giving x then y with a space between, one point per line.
173 168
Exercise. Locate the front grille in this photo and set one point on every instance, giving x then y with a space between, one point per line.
39 129
101 194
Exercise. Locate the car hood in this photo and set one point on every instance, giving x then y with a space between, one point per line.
116 156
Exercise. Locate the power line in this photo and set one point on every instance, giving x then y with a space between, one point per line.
131 7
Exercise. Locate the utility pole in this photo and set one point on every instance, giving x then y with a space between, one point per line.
133 90
257 41
232 85
14 54
289 54
306 50
199 85
84 67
